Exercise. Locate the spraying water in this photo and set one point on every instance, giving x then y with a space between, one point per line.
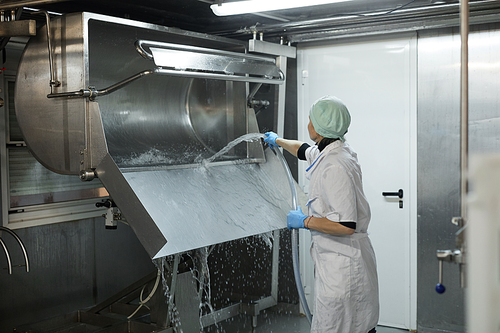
247 138
201 270
157 157
165 266
199 257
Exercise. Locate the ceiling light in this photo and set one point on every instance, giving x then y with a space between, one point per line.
257 6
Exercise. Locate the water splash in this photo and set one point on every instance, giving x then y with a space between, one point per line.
153 156
268 239
247 138
201 273
181 155
167 266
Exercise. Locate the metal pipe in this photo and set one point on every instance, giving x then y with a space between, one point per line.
53 82
275 266
225 77
93 93
464 105
70 94
464 124
281 62
140 45
121 84
23 248
7 255
173 284
253 92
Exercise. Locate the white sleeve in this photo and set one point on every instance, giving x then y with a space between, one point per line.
311 154
339 195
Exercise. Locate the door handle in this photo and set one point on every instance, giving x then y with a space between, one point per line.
398 194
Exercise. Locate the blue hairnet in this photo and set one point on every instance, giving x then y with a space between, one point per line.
330 117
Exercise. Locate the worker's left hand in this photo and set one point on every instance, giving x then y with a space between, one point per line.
295 219
270 139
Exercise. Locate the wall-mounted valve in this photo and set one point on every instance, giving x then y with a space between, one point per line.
449 256
456 256
112 215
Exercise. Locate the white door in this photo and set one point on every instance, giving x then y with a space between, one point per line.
376 79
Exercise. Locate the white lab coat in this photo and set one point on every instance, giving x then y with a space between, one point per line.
345 272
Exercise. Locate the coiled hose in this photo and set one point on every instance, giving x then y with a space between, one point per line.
295 239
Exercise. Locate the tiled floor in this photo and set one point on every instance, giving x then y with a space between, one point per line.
273 323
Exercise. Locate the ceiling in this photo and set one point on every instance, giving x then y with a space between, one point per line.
196 15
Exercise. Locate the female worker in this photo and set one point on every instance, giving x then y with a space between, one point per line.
345 275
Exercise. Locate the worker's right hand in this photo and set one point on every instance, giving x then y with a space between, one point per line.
270 139
295 219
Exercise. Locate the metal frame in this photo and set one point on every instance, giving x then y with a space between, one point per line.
458 255
403 20
252 308
93 93
119 308
21 244
249 61
33 211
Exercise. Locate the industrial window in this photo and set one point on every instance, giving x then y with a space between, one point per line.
31 194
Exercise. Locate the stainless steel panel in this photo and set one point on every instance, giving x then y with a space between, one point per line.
438 157
73 265
172 122
126 199
484 100
194 58
438 180
54 129
197 207
159 119
99 51
61 260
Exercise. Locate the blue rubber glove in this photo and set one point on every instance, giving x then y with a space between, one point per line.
270 139
295 219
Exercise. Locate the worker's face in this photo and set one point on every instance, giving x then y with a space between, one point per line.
312 132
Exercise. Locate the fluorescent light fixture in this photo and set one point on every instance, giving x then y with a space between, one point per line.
257 6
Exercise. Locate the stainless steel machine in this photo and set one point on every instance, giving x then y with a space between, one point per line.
144 109
140 107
